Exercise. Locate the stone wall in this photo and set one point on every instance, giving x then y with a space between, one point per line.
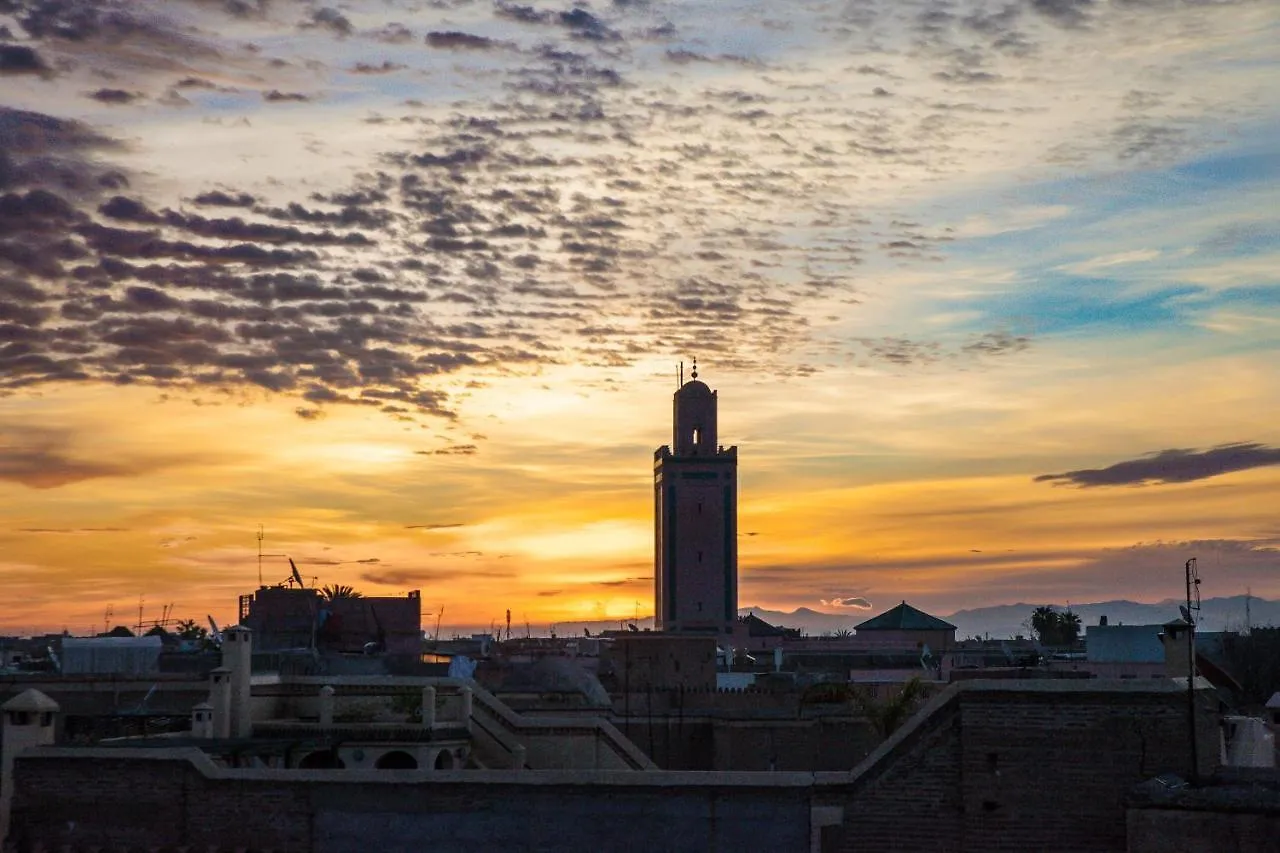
986 766
87 799
1022 765
1165 830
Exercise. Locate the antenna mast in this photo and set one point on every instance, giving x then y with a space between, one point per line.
260 535
1193 585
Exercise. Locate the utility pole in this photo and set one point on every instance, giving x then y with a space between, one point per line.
1193 581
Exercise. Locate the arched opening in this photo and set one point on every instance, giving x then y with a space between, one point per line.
396 760
324 759
444 761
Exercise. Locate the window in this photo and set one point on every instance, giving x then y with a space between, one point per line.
697 435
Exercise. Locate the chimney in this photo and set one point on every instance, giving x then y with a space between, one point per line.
237 656
220 700
202 720
1177 639
28 721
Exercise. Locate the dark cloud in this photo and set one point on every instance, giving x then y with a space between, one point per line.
114 96
453 40
329 19
20 59
1172 466
217 198
1065 13
275 96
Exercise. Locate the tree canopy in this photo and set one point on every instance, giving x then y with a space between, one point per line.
1053 628
333 593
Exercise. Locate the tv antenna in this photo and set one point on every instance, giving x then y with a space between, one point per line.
1193 603
260 536
1193 589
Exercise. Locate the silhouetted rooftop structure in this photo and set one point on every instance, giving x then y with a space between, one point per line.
904 617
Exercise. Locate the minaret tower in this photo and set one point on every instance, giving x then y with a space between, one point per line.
695 525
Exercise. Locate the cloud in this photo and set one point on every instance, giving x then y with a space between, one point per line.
329 19
1172 466
275 96
453 40
447 526
114 96
451 450
73 530
422 577
856 602
1104 262
20 59
997 343
43 459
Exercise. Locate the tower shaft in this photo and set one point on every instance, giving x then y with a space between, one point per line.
695 520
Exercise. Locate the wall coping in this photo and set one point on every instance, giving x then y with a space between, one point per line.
931 711
656 779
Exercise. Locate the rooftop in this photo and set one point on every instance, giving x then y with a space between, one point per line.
904 617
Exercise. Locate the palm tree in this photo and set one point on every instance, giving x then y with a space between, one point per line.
887 716
189 629
333 593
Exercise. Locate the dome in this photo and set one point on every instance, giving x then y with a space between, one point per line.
694 388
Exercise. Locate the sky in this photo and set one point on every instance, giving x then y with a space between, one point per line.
990 292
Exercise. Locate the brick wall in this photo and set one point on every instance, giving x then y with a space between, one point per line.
1022 766
167 799
1165 830
986 767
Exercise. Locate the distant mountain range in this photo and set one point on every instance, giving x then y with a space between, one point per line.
998 621
1008 620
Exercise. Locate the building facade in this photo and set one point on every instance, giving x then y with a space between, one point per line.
695 498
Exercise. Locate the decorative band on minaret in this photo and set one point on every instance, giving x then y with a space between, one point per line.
695 497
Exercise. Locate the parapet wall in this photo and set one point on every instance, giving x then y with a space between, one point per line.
984 767
84 799
1023 765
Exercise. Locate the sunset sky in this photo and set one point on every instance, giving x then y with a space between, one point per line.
990 292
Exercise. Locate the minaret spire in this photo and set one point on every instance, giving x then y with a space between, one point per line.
695 368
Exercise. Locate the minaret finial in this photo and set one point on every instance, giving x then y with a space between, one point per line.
694 374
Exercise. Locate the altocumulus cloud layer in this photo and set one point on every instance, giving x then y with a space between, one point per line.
549 183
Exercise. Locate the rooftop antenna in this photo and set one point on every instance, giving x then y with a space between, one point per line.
680 375
260 535
1193 603
297 578
106 618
